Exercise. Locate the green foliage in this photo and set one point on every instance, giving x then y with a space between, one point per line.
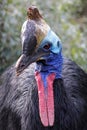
67 18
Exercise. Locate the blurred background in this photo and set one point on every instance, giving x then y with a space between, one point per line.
68 18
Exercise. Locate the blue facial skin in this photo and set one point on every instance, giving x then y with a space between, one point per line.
53 40
54 61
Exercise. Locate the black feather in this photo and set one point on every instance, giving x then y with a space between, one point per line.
19 100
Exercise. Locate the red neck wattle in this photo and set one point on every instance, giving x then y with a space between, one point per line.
46 99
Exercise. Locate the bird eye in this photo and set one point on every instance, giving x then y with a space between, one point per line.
47 46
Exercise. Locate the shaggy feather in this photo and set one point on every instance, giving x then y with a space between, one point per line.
19 100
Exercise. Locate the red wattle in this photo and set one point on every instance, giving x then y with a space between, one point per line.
46 99
50 101
42 100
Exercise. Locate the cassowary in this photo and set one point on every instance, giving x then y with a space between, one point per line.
50 94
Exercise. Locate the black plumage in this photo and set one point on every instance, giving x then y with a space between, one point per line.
19 102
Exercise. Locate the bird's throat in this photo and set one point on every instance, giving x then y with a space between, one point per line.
45 75
46 98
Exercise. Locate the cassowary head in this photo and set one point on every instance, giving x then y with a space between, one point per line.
38 40
41 45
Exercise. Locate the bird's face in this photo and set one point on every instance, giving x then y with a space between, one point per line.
34 50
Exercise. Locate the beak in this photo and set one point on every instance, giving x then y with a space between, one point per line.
22 63
25 60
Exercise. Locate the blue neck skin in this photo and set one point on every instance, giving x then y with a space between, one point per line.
53 63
